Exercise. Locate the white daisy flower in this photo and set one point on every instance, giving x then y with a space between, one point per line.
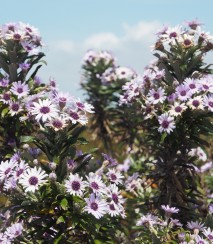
5 97
192 84
206 83
208 102
20 89
86 107
77 116
124 73
15 108
44 110
58 123
113 209
172 34
96 206
198 152
183 92
96 184
32 179
166 122
10 183
208 233
115 177
62 99
115 195
200 240
14 230
6 169
177 109
75 185
196 103
20 168
156 96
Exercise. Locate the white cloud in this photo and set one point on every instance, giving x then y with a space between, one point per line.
142 31
67 46
102 40
132 49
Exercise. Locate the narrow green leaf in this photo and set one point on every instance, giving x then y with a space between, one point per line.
64 204
4 112
25 139
60 220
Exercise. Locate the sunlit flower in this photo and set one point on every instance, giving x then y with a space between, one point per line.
206 83
208 233
32 179
44 110
200 240
6 169
14 230
62 99
172 34
156 96
96 206
10 183
115 177
208 102
75 185
196 103
58 123
77 116
86 107
15 108
177 109
20 169
166 122
124 73
183 92
186 40
115 195
95 183
5 97
113 209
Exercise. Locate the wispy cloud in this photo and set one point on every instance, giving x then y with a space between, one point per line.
132 48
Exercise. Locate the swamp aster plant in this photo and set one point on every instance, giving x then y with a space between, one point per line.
153 228
174 100
103 79
50 192
20 59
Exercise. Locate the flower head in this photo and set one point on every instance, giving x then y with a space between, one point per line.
96 206
166 122
44 110
96 184
115 177
75 185
169 210
32 179
156 96
195 225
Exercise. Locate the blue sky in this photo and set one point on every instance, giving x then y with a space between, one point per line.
125 27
